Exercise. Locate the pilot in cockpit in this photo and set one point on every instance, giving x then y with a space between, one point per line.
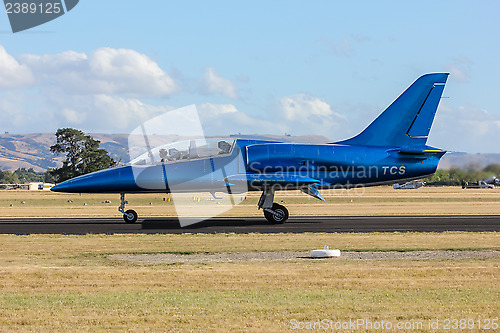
163 155
224 147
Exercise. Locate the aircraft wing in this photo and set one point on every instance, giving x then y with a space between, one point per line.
281 178
285 181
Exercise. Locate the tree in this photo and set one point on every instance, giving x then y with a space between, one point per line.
8 177
29 175
82 154
48 177
493 169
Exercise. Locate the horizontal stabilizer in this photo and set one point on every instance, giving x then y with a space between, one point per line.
409 151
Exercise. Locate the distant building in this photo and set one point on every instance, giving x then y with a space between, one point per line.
40 186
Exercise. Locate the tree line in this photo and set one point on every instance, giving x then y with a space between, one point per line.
455 176
23 175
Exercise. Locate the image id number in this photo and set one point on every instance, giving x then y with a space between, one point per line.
463 324
32 8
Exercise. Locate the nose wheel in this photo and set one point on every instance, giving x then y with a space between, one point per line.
129 216
277 214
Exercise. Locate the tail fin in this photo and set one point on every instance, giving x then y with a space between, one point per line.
408 120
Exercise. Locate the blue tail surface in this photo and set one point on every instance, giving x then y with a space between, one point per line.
408 120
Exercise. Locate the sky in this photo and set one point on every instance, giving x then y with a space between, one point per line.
254 67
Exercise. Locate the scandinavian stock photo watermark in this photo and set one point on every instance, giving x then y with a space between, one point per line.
451 324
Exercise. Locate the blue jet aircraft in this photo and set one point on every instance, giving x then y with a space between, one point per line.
391 149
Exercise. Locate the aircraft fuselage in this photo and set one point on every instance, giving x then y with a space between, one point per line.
262 164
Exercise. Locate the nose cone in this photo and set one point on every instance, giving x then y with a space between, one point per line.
62 187
112 180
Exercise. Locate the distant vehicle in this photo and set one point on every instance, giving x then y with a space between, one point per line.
492 181
413 185
479 184
392 148
11 186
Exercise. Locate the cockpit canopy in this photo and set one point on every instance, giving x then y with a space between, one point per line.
185 151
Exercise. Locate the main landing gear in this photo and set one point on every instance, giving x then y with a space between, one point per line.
273 212
129 216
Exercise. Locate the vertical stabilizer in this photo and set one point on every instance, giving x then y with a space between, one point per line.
408 120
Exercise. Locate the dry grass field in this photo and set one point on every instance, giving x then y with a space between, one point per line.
68 283
61 283
364 201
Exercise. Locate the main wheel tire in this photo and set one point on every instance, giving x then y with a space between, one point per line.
278 214
130 216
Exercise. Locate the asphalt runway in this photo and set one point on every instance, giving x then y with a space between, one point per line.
80 226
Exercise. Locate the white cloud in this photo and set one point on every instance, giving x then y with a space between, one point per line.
459 69
302 106
130 72
213 110
11 111
304 114
55 63
23 113
96 92
225 119
12 73
106 71
92 113
212 83
117 112
73 117
113 114
466 128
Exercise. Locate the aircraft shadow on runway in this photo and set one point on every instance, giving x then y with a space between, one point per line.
173 223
